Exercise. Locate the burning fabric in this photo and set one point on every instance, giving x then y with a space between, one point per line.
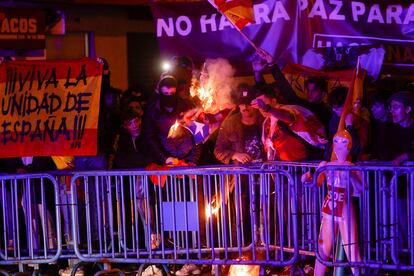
213 89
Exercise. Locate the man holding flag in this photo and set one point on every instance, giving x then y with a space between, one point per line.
169 148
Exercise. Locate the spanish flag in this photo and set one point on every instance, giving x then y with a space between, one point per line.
239 12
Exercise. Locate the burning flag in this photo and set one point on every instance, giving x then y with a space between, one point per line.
215 85
239 12
173 130
213 89
200 131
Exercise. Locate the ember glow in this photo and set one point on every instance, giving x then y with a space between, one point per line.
173 129
212 209
244 270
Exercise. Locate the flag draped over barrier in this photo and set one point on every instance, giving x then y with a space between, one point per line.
49 107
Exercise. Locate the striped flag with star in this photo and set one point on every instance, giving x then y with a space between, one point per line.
199 130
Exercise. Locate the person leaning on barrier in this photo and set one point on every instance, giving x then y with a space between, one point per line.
380 127
131 148
169 146
239 142
401 140
131 153
337 205
160 116
401 135
239 138
28 165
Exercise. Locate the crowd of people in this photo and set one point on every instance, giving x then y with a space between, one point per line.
265 125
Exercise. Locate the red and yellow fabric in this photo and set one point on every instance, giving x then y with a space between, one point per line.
161 179
49 107
354 79
240 12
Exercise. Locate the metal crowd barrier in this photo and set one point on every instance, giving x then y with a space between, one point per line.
200 216
263 215
30 219
304 195
382 212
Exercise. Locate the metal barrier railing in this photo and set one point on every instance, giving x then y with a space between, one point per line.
377 224
30 231
262 215
209 216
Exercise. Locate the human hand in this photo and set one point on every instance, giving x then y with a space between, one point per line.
258 104
322 140
264 55
349 119
241 157
172 161
257 64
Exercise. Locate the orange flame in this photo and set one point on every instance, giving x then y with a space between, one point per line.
173 129
212 209
244 270
204 89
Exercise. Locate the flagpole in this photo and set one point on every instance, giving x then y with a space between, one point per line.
246 37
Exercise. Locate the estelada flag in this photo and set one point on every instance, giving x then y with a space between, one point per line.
205 124
239 12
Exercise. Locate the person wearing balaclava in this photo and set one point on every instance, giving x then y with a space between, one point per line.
169 147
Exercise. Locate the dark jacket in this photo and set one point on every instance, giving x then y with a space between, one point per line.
230 138
39 164
130 156
157 123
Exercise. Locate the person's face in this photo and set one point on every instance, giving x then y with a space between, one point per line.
399 112
133 126
247 111
378 110
337 109
168 91
314 94
341 147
